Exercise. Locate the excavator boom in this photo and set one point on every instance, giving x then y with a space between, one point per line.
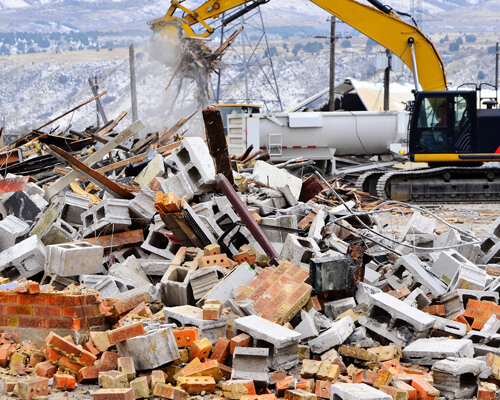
378 22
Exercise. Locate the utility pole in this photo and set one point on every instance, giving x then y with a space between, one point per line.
333 39
99 108
387 76
133 88
497 53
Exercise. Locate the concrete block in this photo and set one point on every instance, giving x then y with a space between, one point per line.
109 216
409 271
317 226
417 299
33 189
356 391
334 243
107 286
241 275
280 221
339 331
395 320
203 280
150 350
128 275
447 327
371 277
176 286
71 259
274 177
428 351
157 242
458 378
448 263
306 327
179 185
334 308
299 250
419 224
250 363
27 256
287 193
12 231
193 316
468 276
364 292
73 206
282 342
492 256
194 161
154 168
39 201
60 232
141 207
149 292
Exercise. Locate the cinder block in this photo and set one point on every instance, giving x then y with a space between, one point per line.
141 207
409 271
109 216
428 351
176 286
299 250
283 342
448 263
12 231
468 276
71 259
60 232
138 347
194 161
203 280
337 334
193 316
250 363
179 185
306 327
357 391
72 208
389 317
419 224
279 221
157 242
334 308
417 299
28 256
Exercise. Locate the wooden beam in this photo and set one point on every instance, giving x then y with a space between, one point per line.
109 127
93 176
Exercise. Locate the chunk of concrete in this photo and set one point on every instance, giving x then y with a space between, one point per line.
336 335
299 250
356 391
429 350
27 256
250 363
12 231
419 224
274 177
179 185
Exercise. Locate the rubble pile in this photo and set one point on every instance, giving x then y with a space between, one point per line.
160 279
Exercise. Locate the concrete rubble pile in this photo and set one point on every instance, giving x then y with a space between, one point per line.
175 284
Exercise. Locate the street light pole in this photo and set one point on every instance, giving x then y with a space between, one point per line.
331 100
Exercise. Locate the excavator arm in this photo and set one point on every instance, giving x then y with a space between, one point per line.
379 23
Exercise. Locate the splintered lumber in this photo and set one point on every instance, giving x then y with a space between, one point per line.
93 176
20 140
166 136
64 181
109 127
217 143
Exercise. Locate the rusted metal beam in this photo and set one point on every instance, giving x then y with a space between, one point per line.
226 188
92 175
217 143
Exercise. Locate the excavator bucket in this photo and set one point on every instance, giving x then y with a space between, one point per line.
165 42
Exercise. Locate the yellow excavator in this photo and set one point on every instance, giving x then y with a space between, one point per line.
447 129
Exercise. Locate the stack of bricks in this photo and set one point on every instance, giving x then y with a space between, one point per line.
278 293
477 312
33 313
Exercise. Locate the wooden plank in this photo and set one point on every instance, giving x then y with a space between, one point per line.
93 176
109 127
64 181
13 184
117 240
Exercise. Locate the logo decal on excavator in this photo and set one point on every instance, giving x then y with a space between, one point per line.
498 150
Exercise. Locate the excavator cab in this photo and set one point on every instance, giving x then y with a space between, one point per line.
443 126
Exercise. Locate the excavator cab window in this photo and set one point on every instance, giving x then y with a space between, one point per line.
433 125
443 123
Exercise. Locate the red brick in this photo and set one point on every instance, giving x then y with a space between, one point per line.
197 384
323 389
19 310
186 336
221 350
123 306
90 374
29 388
45 311
169 392
109 359
33 287
412 392
241 340
269 396
58 342
46 369
9 298
284 384
485 394
59 323
56 299
200 349
126 332
67 363
52 355
90 347
425 391
36 323
33 299
64 382
114 394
